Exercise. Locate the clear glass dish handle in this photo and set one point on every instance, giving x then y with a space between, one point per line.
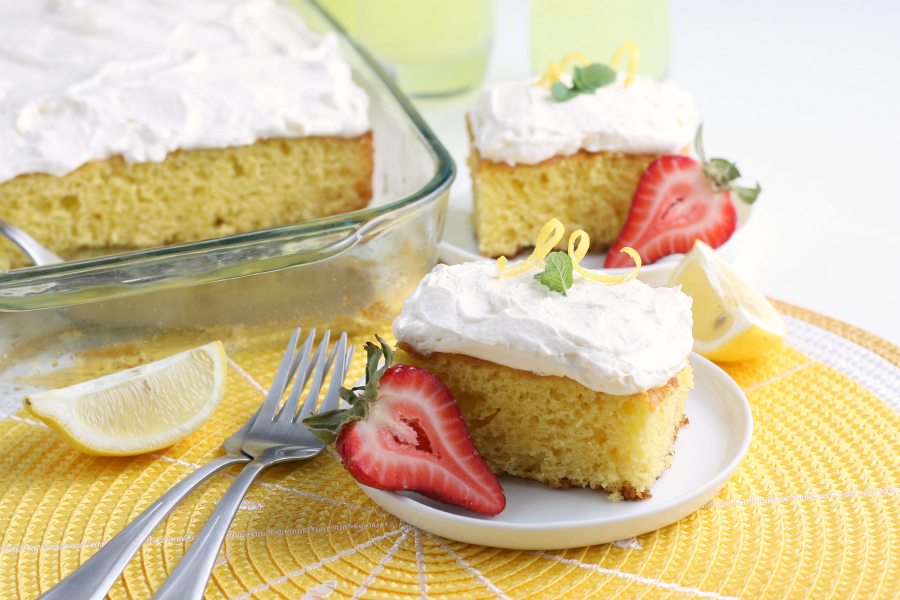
93 579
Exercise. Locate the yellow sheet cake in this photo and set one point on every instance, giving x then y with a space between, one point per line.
146 123
191 195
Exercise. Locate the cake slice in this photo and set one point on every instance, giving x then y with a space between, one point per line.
534 157
584 389
555 430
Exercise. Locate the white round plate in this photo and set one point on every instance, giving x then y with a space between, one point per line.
459 244
707 451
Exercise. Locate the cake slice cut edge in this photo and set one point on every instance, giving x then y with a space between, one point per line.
587 190
557 431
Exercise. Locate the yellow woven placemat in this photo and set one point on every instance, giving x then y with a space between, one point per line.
813 512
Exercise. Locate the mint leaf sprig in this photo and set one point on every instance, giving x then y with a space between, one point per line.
722 173
558 272
584 81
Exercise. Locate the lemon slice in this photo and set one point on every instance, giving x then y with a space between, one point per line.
137 410
732 320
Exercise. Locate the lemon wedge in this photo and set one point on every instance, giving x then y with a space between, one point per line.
732 320
137 410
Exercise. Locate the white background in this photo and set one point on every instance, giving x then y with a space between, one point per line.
805 97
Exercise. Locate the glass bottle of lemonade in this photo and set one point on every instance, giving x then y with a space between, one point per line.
344 12
433 47
596 28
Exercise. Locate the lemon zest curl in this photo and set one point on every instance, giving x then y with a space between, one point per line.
555 69
549 236
584 242
579 242
634 55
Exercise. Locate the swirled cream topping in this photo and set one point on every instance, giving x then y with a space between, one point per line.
621 338
85 80
519 122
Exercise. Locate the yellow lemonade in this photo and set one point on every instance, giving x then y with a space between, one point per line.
344 12
596 28
432 47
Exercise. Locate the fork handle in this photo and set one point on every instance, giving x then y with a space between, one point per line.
188 580
93 579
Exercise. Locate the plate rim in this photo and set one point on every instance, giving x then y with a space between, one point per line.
669 512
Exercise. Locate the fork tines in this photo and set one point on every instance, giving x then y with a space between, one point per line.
312 368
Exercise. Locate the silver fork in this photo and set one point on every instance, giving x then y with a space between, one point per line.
276 436
93 579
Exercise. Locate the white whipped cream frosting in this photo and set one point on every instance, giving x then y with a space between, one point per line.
85 80
519 122
621 338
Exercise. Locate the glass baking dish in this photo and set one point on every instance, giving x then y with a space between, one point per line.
349 273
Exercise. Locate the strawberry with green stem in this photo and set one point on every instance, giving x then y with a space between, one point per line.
404 431
680 200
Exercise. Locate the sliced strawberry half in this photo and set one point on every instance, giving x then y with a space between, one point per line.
680 200
405 432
